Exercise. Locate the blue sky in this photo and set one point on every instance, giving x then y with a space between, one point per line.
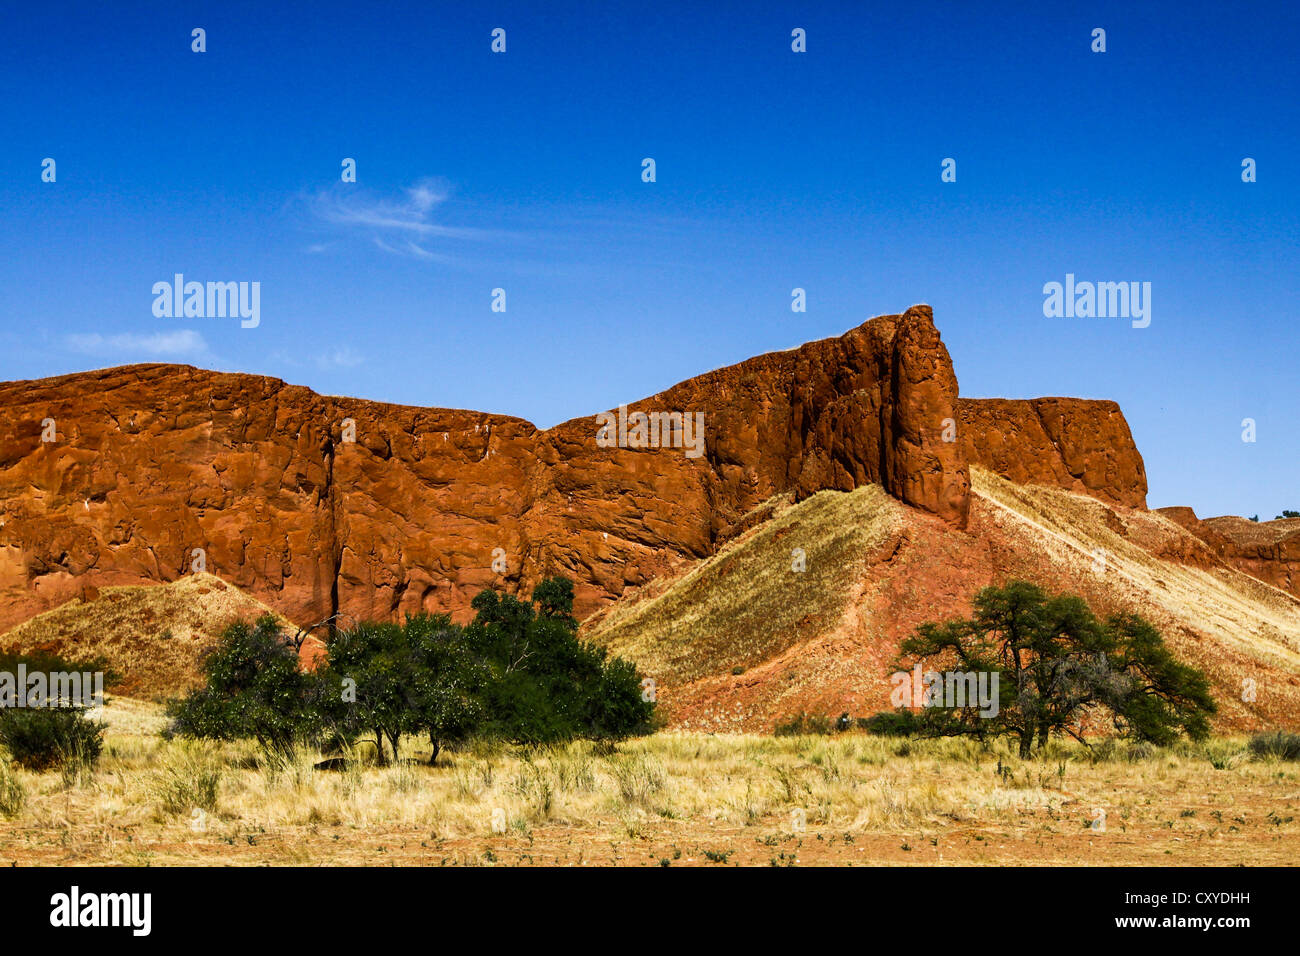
775 170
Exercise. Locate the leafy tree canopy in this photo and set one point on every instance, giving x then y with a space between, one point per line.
1054 661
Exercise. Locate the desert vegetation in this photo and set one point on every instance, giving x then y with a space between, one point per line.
56 732
517 673
824 640
154 635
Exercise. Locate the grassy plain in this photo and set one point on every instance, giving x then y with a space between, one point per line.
673 799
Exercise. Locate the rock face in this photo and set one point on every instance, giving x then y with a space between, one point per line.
322 506
920 465
1267 550
1069 443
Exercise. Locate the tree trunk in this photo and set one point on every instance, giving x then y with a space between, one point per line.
437 748
1026 743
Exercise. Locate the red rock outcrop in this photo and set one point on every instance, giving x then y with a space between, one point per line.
158 466
1072 443
1267 550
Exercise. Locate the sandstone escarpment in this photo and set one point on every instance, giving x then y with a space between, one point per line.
1071 443
157 467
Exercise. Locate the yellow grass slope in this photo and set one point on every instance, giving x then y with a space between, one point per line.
822 641
1235 627
151 636
747 604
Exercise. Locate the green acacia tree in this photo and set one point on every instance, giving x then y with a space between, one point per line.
546 684
255 689
518 672
1054 659
449 679
370 671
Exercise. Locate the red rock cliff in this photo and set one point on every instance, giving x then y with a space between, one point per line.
154 461
1071 443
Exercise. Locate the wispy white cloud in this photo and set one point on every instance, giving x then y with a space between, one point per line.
177 343
339 358
408 248
426 194
401 226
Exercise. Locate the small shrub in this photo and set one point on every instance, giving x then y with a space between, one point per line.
189 779
536 786
77 761
789 728
1104 751
1139 751
40 738
1279 743
804 725
402 778
575 771
637 776
819 724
